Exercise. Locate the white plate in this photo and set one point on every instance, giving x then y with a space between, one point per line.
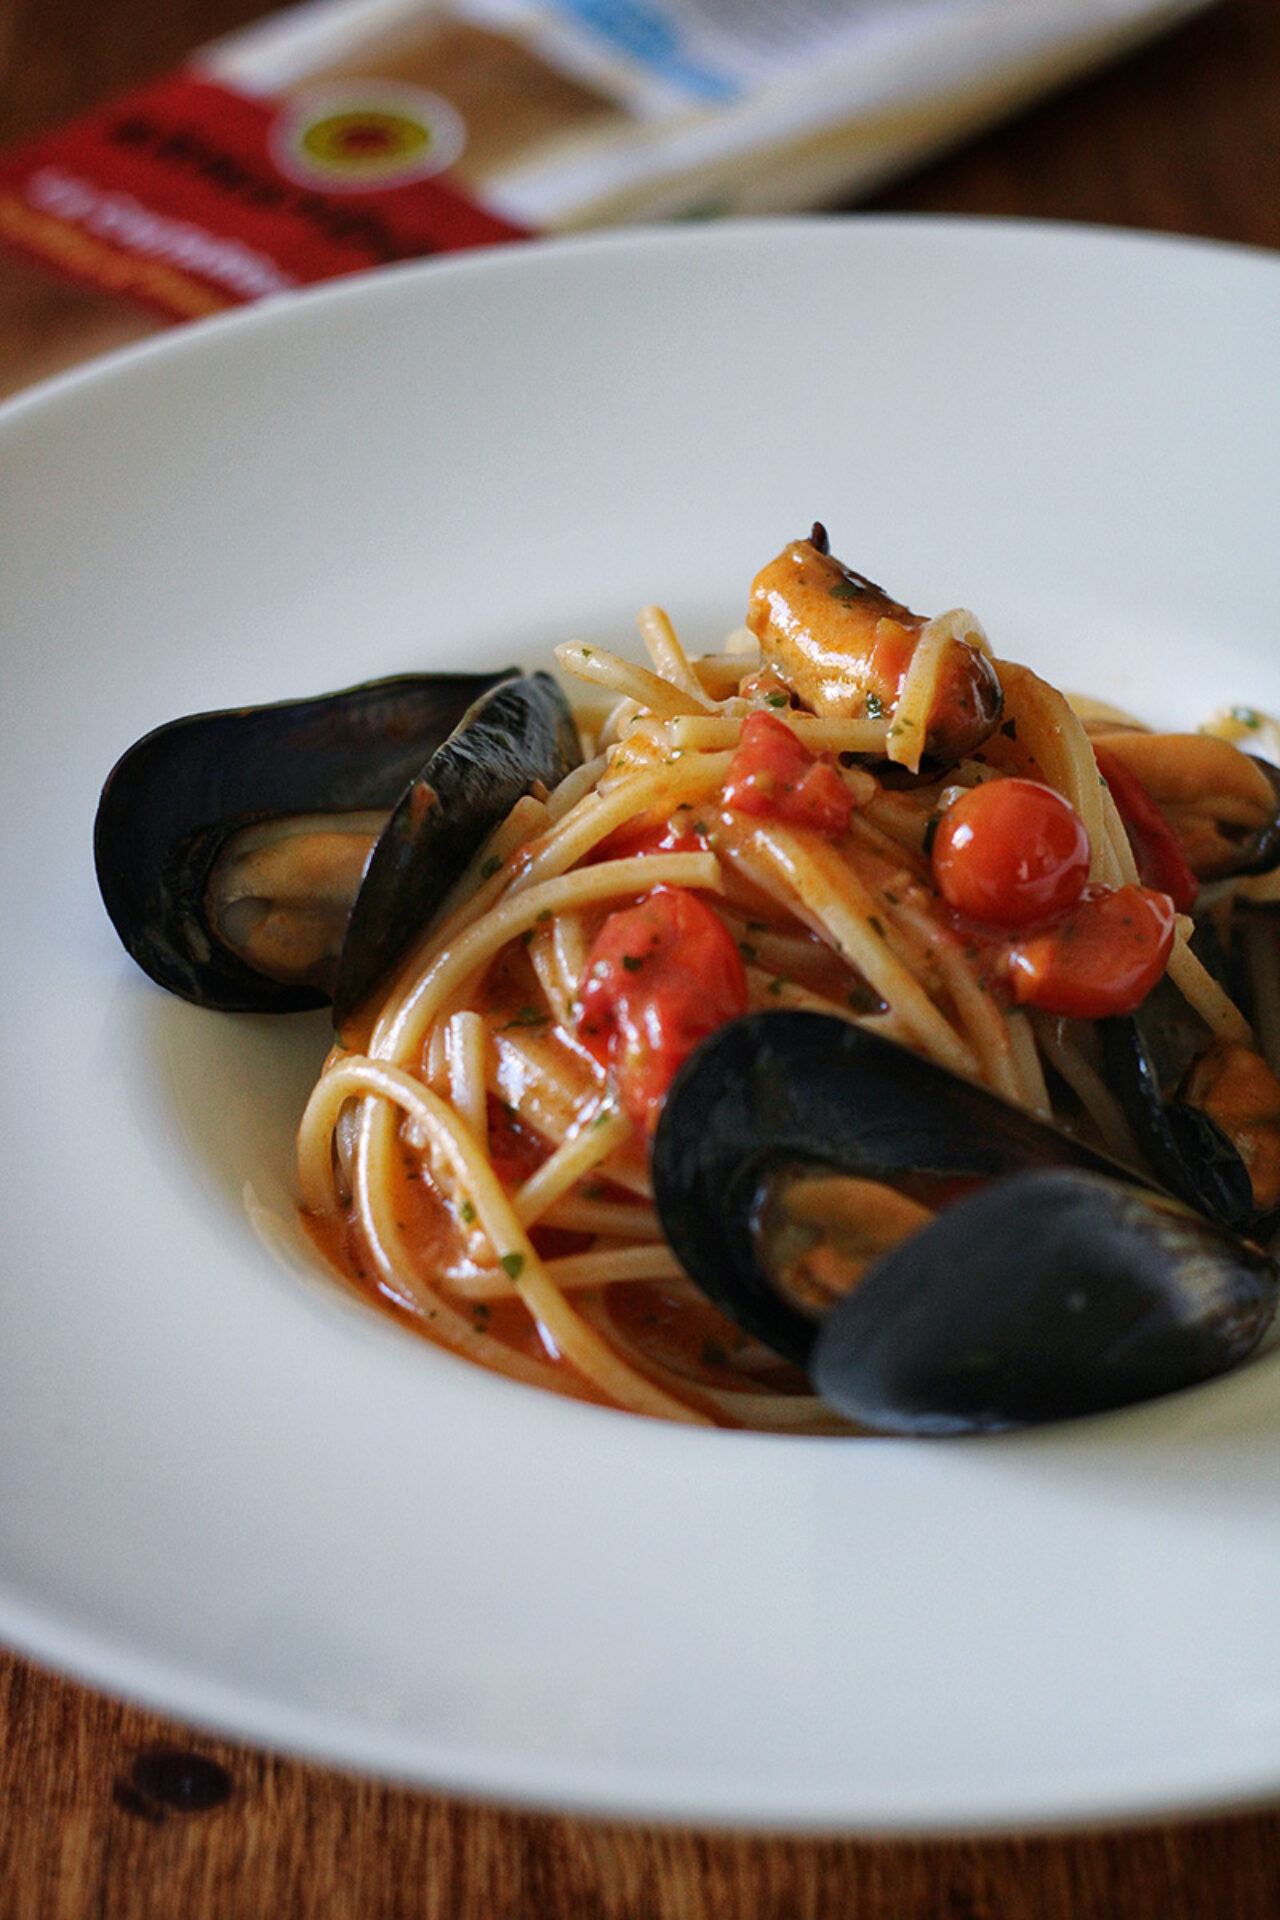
228 1491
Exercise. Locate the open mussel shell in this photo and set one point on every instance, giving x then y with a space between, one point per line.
1149 1054
1052 1283
1047 1296
178 795
774 1091
519 735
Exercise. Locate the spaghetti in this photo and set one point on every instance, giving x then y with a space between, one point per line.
474 1155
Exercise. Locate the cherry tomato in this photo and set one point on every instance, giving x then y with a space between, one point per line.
1102 960
660 977
1160 860
1011 853
774 775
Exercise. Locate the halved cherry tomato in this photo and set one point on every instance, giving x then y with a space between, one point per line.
660 977
1160 860
1102 960
1011 853
774 775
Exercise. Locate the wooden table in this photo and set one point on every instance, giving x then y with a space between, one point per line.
110 1811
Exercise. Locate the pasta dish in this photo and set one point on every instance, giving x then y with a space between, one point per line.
850 809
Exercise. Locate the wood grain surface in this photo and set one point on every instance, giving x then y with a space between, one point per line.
109 1811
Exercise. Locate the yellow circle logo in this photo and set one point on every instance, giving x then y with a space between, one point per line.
365 136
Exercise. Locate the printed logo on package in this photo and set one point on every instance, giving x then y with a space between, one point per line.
366 134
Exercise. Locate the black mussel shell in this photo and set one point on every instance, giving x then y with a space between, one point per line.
1043 1297
176 797
515 736
774 1090
1148 1054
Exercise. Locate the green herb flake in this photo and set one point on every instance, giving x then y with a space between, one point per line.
633 962
467 1213
545 915
931 831
491 866
528 1017
513 1265
875 706
747 951
846 590
776 986
1010 729
776 700
1247 717
874 922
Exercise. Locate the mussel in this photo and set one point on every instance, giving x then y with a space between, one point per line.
844 646
938 1260
274 858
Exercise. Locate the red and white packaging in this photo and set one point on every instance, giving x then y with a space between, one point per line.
347 134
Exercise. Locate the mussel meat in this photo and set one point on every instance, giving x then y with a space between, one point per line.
845 647
939 1260
231 847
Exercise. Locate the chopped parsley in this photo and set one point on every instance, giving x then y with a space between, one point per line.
513 1265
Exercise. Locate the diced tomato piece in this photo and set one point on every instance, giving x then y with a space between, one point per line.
515 1150
1102 960
774 775
1011 853
654 836
1160 860
660 977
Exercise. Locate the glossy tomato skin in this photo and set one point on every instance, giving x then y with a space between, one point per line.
1102 960
774 776
1011 854
660 977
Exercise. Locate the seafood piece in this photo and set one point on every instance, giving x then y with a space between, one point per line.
231 847
1043 1297
847 649
179 796
777 1093
1223 805
801 1158
1204 1110
518 736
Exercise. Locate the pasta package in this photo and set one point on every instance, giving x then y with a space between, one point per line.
348 134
